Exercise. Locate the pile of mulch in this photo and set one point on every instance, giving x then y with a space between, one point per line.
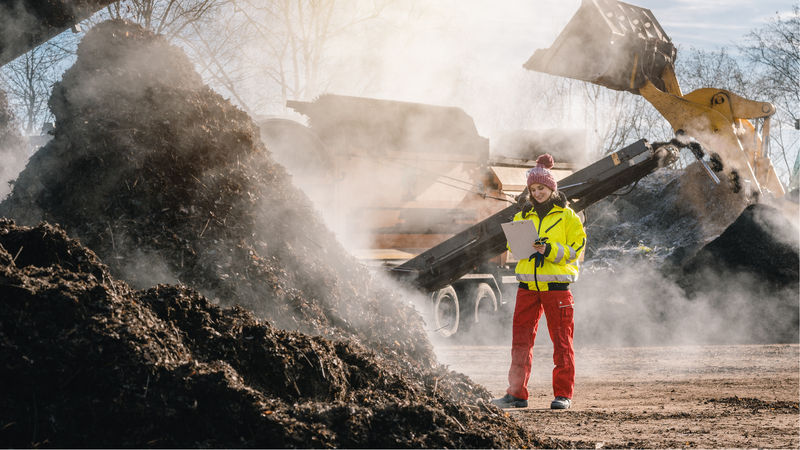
752 272
679 221
663 219
167 182
681 260
261 330
87 361
761 243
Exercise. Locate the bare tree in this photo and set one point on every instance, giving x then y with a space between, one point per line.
775 52
300 47
29 78
265 52
703 69
775 48
216 44
167 17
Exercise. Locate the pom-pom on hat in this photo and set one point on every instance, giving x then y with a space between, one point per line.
541 173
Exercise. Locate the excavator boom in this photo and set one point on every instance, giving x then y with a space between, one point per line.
623 47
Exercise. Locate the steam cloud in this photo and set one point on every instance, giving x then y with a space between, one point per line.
628 293
168 183
13 155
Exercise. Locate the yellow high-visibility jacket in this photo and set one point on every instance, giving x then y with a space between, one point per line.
566 241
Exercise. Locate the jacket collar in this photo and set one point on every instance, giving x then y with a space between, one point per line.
555 210
559 204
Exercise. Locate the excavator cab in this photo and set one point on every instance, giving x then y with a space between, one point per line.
623 47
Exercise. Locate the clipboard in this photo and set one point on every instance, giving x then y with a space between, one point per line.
521 235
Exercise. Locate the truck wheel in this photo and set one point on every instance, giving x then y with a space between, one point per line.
446 312
485 303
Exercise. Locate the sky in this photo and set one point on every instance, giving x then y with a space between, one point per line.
506 33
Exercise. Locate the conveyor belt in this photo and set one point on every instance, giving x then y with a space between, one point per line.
457 256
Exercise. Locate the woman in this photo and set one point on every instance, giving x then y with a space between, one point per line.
544 286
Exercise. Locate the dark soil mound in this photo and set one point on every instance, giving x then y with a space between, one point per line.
680 260
89 362
761 243
167 182
666 212
752 271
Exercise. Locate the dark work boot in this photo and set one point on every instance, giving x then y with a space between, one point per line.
509 401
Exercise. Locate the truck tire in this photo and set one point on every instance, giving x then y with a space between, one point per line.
446 311
485 303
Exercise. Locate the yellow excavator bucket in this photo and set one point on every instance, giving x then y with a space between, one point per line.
609 43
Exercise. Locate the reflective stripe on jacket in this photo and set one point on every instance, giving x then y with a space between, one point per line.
566 240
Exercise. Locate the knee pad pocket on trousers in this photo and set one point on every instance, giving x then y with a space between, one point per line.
562 359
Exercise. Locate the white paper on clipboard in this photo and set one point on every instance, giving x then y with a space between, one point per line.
520 234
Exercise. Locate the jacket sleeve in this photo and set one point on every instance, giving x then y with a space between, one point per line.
568 252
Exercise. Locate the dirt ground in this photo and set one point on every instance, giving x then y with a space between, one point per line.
658 397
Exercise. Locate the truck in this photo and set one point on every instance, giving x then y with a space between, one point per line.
413 191
394 179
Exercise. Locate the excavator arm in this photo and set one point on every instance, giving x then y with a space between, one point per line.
718 120
622 47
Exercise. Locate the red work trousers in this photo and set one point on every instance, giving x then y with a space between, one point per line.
558 309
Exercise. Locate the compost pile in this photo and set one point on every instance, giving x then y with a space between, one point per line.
163 181
88 361
752 268
679 220
167 182
664 219
761 242
679 260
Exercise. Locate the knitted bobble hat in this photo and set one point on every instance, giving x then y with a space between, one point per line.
541 173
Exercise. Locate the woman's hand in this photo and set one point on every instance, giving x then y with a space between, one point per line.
540 248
